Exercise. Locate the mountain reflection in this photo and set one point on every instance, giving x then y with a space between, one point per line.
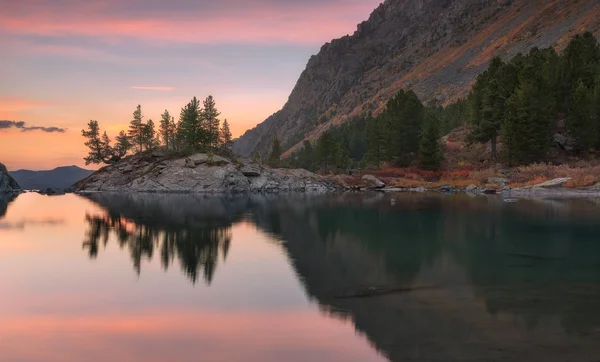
5 199
536 262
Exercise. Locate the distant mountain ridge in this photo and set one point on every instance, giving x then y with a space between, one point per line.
435 47
59 178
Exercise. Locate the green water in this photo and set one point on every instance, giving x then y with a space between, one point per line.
266 278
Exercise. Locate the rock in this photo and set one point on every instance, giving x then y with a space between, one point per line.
563 141
158 153
446 188
471 188
490 191
373 182
198 159
558 182
182 175
189 163
418 189
8 185
500 181
395 45
251 170
51 192
127 169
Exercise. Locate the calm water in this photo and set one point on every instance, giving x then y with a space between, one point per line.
193 278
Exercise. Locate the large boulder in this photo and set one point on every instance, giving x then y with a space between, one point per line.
7 183
251 170
558 182
373 183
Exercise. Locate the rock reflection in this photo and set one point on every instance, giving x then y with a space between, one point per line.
5 199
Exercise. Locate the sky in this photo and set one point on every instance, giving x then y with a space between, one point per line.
65 62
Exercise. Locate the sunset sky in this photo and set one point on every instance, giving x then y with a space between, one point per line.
65 62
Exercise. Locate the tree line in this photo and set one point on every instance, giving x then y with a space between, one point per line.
197 129
517 104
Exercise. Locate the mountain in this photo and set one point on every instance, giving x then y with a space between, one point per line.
59 178
7 183
435 47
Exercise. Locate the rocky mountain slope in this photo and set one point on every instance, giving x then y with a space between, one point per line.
7 183
199 173
435 47
59 178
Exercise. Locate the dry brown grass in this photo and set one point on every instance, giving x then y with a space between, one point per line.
582 175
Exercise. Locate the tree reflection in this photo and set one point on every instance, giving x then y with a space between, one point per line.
5 199
196 248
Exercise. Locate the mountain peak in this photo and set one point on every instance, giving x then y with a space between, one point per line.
435 47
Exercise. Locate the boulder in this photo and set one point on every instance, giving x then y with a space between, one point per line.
500 181
189 163
198 159
127 169
471 188
490 191
557 182
562 141
251 171
158 153
373 182
446 188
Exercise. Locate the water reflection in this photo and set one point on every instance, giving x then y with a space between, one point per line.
510 278
197 235
5 199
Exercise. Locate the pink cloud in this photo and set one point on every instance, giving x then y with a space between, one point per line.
262 24
163 89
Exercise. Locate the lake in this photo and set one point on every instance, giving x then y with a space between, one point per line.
352 277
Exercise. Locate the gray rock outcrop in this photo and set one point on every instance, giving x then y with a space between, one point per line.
8 185
200 174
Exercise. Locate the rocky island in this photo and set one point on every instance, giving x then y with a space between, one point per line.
199 173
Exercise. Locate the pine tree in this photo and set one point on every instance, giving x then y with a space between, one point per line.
136 128
97 146
401 124
211 122
190 130
275 155
430 150
376 139
226 138
149 139
107 150
122 145
581 123
167 129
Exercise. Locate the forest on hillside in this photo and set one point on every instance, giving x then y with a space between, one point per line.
515 106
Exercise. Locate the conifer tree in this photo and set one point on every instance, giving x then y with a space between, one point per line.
136 128
275 155
149 139
430 150
581 123
226 138
122 145
190 130
211 122
376 139
167 129
402 121
96 145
